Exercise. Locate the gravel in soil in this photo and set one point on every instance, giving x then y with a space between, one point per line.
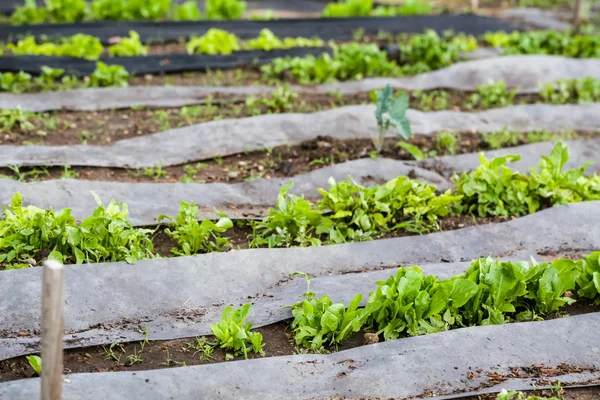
282 161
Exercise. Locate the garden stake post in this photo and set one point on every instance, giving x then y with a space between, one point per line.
52 330
577 15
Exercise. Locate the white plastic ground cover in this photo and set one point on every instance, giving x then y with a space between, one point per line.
234 136
182 297
581 152
441 363
524 72
146 201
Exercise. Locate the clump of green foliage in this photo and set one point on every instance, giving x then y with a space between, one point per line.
429 51
233 335
493 189
106 235
411 303
268 41
103 75
319 322
195 237
434 100
293 222
408 7
517 395
186 11
128 47
280 100
348 62
364 8
69 11
79 46
215 41
225 9
359 213
578 91
348 8
391 112
109 75
494 94
15 117
505 138
560 43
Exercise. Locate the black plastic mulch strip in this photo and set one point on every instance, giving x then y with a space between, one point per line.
325 28
154 64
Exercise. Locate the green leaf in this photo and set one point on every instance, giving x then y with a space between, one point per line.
36 363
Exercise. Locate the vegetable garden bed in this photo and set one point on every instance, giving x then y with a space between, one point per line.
285 198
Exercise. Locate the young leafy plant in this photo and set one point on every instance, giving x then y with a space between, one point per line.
491 95
348 8
215 41
318 322
128 46
232 334
292 223
109 75
224 9
390 112
195 237
493 189
36 363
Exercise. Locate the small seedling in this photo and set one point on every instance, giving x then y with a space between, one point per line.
110 352
135 358
391 112
36 363
231 334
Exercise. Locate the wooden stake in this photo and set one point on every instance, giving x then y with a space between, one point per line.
52 329
577 15
474 5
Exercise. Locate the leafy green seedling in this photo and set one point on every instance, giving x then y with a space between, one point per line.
391 112
36 363
232 334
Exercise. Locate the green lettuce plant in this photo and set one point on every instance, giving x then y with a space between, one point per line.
215 41
233 335
128 46
195 237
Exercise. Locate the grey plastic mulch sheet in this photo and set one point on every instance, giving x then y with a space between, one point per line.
442 363
524 72
182 297
146 201
325 28
227 137
581 152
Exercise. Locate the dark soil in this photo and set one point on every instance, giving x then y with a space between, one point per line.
282 161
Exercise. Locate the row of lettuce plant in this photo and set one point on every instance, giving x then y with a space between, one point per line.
346 212
214 41
424 53
421 53
55 79
69 11
410 303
